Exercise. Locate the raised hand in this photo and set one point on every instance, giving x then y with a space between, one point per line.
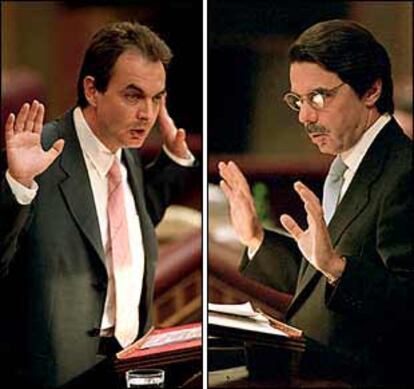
173 138
243 213
314 242
25 156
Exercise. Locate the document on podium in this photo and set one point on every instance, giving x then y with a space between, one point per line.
245 317
163 346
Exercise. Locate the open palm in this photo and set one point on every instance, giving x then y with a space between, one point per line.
25 156
243 212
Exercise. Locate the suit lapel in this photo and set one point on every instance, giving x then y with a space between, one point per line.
76 187
358 194
353 203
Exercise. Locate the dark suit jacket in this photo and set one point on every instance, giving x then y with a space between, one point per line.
368 314
52 275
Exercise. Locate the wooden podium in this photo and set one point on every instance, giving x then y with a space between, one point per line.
260 363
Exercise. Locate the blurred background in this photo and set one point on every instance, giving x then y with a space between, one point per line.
42 46
248 122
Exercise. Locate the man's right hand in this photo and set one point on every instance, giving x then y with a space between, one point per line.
242 209
26 158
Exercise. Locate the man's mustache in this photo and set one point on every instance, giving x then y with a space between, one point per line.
313 128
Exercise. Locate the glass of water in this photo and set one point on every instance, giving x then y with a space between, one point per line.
145 378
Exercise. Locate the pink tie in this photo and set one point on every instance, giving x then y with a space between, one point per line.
126 325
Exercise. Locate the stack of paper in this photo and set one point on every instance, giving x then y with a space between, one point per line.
244 322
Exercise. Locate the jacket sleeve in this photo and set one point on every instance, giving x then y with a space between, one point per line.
165 181
382 285
13 218
276 263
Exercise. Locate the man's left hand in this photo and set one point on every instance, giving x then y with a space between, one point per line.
174 139
314 242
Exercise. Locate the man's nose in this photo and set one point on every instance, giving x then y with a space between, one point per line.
145 109
307 114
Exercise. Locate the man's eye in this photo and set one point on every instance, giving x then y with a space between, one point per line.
318 100
156 99
298 103
132 97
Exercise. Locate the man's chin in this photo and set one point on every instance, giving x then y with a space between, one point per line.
327 149
134 144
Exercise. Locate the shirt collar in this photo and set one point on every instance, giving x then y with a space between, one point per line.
99 155
353 157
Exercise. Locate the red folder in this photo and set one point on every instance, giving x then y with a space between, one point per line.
172 350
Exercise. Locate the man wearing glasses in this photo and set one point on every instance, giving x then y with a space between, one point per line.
351 270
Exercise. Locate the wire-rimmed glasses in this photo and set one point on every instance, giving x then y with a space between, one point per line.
317 98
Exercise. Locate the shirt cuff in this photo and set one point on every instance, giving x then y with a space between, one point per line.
23 194
187 162
334 279
252 252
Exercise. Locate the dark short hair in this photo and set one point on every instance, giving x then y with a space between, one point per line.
351 51
109 43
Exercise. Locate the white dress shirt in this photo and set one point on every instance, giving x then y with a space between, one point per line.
98 160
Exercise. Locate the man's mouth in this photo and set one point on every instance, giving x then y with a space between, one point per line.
318 139
137 132
315 129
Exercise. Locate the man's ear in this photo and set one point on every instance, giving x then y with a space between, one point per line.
89 90
373 93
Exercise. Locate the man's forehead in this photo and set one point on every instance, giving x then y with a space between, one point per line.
308 76
131 68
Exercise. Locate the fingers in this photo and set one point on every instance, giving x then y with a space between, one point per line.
29 118
226 189
10 127
181 135
238 201
291 226
167 126
21 118
233 176
38 120
30 121
310 200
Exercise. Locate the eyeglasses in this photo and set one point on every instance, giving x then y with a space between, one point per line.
317 99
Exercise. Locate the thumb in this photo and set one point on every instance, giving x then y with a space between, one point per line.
55 150
180 136
291 226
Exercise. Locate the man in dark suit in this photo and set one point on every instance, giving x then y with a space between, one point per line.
351 270
68 251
